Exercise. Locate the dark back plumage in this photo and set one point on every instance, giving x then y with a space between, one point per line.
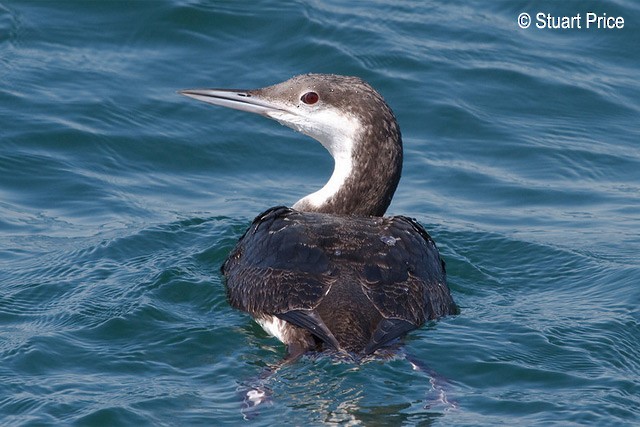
353 283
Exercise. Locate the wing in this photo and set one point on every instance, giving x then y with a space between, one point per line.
287 263
405 278
276 270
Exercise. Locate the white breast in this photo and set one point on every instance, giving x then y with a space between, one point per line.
273 326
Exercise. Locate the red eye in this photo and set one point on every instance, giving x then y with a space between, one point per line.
310 98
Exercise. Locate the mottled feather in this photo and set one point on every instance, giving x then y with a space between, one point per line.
368 279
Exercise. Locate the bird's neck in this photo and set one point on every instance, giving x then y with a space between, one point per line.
365 175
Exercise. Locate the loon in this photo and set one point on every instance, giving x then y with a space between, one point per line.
332 273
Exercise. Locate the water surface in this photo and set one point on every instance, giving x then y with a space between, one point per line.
119 200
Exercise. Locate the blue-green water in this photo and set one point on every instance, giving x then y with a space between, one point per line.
119 200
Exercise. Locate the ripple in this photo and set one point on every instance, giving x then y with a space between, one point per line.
120 200
11 28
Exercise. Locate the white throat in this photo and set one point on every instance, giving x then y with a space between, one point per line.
341 171
337 132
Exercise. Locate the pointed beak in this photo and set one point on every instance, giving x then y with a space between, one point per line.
243 100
